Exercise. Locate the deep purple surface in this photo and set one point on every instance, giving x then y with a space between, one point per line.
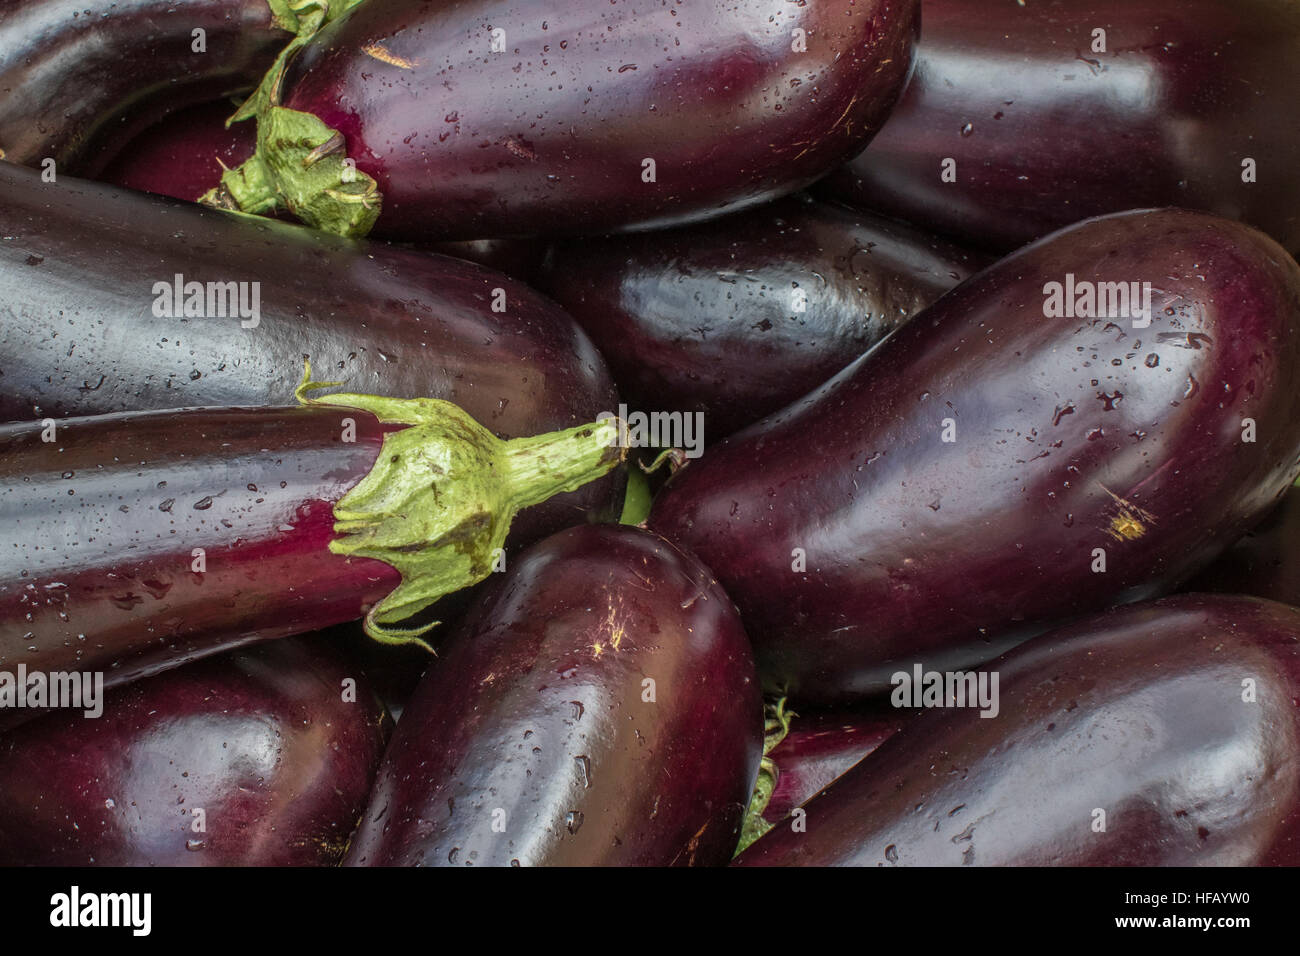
1138 712
80 337
79 77
549 136
535 707
95 574
946 554
260 739
819 748
1046 132
181 157
703 319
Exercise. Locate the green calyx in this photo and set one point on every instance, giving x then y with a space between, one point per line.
776 726
300 164
304 19
439 500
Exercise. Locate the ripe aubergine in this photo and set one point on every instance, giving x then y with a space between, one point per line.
486 119
1160 734
138 541
83 264
737 318
261 757
1180 103
991 468
597 707
78 77
183 154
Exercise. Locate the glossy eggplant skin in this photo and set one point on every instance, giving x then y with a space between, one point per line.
819 748
1045 131
80 336
98 572
549 137
262 740
79 77
536 718
183 153
1068 435
1264 563
738 317
1140 712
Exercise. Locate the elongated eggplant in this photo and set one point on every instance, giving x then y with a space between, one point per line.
1264 563
598 707
183 154
139 541
1023 118
737 318
78 76
94 322
1018 453
1161 734
485 119
262 757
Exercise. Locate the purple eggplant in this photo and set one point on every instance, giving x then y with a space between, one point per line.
139 541
262 757
79 77
1029 448
598 707
182 155
1264 563
484 119
86 271
735 319
1160 734
820 747
1050 112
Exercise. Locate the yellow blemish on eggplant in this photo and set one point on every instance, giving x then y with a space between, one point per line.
1129 521
384 55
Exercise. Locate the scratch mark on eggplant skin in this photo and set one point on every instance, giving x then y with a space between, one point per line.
1129 522
384 55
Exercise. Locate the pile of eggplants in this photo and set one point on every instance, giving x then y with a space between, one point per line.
844 433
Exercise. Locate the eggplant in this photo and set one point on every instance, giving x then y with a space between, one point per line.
1046 127
80 279
1159 734
820 747
597 707
1265 562
136 542
736 318
79 77
588 118
260 757
1004 461
182 155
